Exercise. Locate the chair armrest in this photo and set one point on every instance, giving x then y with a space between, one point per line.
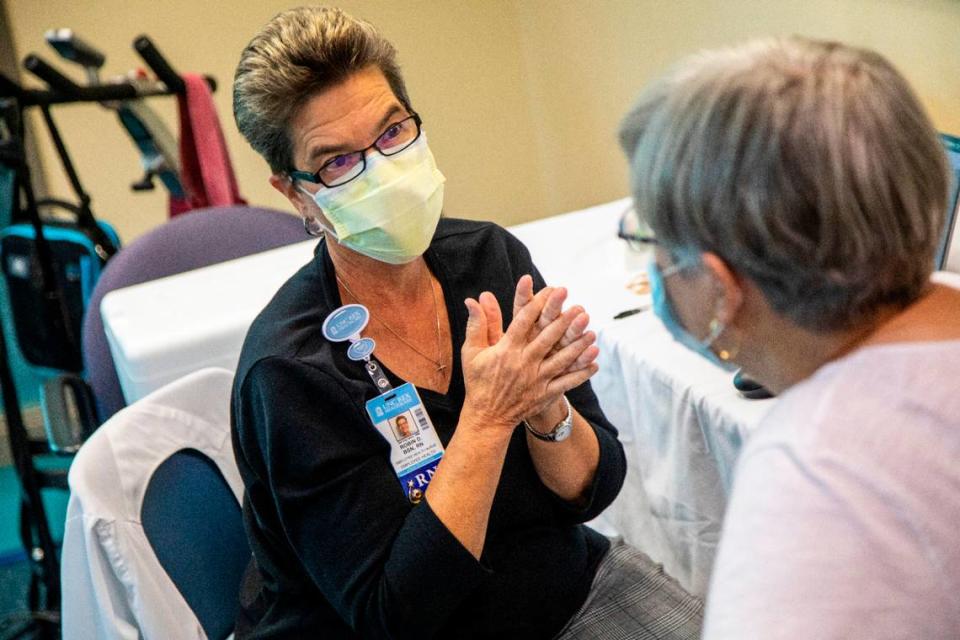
69 413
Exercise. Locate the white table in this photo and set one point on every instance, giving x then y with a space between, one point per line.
161 330
680 419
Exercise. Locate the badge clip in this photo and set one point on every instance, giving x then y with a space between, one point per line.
345 325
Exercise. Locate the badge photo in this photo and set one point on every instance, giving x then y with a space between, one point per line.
404 426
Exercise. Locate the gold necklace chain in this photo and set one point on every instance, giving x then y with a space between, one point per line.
436 310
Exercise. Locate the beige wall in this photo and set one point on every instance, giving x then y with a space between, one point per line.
521 98
585 62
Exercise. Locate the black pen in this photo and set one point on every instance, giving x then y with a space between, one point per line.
628 313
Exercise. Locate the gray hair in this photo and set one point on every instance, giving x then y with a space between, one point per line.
810 167
298 54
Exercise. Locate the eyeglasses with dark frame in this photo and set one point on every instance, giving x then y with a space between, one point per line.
636 241
640 242
345 167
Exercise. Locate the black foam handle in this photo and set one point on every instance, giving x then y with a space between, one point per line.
57 81
155 60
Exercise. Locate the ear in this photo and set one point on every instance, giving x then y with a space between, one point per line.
730 285
285 185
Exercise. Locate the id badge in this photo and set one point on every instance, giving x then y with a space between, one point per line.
415 447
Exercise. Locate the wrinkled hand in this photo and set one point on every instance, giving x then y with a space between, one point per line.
575 334
550 312
511 375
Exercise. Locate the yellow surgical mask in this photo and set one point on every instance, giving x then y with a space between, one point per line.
390 212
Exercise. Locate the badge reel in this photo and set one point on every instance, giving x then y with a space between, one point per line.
398 414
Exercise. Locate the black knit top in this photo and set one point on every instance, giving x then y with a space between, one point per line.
339 551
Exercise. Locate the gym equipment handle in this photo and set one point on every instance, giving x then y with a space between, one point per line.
70 46
155 60
57 81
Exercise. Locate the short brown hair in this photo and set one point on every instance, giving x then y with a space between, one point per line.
298 54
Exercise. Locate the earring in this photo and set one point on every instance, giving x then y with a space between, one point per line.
716 329
313 227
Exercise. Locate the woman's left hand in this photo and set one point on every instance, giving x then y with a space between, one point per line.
551 311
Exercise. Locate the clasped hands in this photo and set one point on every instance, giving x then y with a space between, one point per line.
521 373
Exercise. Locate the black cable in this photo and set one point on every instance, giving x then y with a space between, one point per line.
85 218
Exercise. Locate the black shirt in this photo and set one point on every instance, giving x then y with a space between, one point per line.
340 550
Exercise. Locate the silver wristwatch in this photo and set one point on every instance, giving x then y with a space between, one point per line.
560 432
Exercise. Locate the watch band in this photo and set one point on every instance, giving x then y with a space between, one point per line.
558 433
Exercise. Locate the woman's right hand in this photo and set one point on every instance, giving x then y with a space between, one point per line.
507 375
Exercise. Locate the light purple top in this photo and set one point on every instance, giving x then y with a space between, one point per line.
844 520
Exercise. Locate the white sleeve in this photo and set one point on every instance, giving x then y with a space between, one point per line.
94 601
817 549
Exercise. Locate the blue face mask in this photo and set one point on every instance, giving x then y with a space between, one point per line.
663 309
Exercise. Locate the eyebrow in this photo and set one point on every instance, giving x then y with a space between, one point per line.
340 148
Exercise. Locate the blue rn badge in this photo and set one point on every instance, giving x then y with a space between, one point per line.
415 448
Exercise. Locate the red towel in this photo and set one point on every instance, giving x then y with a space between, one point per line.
205 169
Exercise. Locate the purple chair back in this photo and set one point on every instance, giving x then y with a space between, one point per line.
190 241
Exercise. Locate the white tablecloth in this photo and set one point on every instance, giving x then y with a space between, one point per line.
682 425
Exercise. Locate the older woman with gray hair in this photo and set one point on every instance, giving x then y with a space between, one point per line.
797 193
472 525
